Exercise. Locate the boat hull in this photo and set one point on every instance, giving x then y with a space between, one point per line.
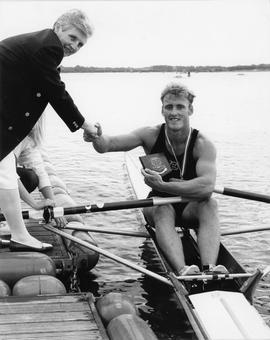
196 297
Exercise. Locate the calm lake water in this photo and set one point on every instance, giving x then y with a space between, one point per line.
233 109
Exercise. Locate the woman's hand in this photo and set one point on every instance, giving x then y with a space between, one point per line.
60 222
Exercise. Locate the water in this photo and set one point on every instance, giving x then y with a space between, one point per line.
232 109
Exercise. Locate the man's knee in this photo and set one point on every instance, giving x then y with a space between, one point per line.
195 210
159 213
210 204
208 212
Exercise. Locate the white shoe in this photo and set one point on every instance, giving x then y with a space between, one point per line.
4 228
220 269
190 270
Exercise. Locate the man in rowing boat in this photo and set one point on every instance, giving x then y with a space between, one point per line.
192 157
29 80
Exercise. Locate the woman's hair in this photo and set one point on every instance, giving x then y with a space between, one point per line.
37 132
76 18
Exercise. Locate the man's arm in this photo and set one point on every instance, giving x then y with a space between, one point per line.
104 143
200 187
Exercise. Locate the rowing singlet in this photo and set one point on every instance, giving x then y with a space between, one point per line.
190 169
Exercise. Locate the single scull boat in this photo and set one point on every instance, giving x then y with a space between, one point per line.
217 307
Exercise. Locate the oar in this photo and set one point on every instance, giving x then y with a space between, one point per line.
243 231
242 194
109 255
51 212
143 234
108 231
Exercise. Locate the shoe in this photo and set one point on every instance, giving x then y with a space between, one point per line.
17 246
190 270
4 228
219 269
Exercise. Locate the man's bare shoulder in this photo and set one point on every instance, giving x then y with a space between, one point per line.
203 144
148 134
148 130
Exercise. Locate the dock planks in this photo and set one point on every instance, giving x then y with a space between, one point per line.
69 317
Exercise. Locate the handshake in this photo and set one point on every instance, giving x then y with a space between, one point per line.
91 131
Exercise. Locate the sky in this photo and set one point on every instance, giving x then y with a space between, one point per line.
143 33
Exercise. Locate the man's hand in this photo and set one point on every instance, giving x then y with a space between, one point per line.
152 178
176 180
90 132
99 129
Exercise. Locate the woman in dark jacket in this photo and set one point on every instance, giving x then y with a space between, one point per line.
29 80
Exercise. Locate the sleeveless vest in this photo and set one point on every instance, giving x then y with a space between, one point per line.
190 167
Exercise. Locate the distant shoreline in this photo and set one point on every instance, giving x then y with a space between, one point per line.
166 68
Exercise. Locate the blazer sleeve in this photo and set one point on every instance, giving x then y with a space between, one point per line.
45 63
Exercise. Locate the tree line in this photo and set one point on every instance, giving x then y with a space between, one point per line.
168 68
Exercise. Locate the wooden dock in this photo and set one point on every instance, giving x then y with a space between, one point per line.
59 253
61 317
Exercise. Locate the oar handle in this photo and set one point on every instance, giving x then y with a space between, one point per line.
242 194
50 212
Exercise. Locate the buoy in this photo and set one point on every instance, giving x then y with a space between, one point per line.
16 265
114 304
4 289
38 285
129 327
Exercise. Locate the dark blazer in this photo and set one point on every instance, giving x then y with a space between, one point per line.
29 80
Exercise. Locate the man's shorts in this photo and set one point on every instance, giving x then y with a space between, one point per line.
8 175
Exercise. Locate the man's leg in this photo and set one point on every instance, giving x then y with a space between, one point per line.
163 218
206 214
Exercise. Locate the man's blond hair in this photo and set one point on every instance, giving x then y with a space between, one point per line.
177 89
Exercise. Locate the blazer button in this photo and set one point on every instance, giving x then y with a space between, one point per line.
27 114
10 128
38 94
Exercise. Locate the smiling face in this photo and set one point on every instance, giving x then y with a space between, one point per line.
72 39
176 110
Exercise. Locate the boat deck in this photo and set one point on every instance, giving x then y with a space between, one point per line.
59 253
60 317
